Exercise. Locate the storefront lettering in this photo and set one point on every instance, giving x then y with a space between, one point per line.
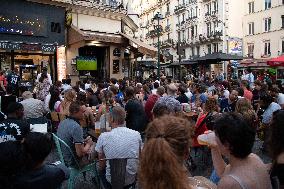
27 47
12 46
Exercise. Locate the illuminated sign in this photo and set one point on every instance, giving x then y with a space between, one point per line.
26 47
235 46
61 63
32 25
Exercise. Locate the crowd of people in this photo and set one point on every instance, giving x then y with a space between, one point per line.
154 124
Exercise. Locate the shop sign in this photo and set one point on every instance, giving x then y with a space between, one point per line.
61 63
26 47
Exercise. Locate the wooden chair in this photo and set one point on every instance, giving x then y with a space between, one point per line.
77 169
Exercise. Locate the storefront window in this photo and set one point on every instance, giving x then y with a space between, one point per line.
115 67
280 73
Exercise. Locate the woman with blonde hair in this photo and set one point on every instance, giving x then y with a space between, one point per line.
245 108
69 97
163 155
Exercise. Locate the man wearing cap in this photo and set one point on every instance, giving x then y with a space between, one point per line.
33 108
44 70
14 127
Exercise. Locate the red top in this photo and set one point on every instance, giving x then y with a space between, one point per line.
152 99
2 78
199 130
248 95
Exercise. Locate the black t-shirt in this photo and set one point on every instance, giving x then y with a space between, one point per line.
182 98
49 176
93 101
13 129
13 80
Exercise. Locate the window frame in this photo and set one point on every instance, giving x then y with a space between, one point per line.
267 48
267 24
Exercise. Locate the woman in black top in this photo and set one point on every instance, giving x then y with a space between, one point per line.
277 148
182 98
136 117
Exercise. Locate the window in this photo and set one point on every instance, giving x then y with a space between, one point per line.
196 30
251 7
209 49
168 36
208 11
250 50
267 48
215 47
251 28
196 10
191 12
267 24
179 36
183 35
208 29
197 50
183 17
282 18
168 22
267 4
282 46
192 31
168 7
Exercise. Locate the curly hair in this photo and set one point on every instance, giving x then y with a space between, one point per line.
277 133
233 129
244 107
211 104
161 160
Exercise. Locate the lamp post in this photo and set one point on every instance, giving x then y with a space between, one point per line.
158 17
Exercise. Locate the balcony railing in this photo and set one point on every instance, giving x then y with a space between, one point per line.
168 28
168 13
180 8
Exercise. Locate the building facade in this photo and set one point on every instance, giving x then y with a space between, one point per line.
263 30
29 35
201 26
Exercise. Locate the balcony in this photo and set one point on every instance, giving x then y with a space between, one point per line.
168 13
168 28
180 8
192 1
167 43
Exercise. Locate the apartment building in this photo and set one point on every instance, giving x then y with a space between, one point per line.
202 26
263 29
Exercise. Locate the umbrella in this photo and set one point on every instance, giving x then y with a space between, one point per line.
279 61
218 57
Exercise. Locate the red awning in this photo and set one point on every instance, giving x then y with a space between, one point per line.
279 61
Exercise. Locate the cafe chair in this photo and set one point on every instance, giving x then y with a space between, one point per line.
77 169
118 172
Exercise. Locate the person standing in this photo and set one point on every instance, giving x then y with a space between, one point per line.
13 81
42 88
44 71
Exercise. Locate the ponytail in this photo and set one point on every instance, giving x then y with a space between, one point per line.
161 160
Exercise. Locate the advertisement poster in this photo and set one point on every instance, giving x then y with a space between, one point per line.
61 63
235 46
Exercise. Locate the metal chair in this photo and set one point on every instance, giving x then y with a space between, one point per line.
118 172
74 170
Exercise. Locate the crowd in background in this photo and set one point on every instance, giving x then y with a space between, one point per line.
151 116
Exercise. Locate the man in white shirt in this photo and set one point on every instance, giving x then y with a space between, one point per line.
249 77
120 142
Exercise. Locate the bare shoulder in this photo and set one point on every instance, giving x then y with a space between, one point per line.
228 182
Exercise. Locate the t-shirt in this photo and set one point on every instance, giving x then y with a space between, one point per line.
226 106
268 113
13 80
121 142
248 95
182 98
70 131
152 99
13 129
49 176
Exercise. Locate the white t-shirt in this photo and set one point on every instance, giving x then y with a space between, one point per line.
280 99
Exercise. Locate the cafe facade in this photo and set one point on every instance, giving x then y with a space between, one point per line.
30 35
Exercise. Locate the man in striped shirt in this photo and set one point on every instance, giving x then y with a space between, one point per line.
120 142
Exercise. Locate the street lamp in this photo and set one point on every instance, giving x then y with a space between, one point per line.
158 29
